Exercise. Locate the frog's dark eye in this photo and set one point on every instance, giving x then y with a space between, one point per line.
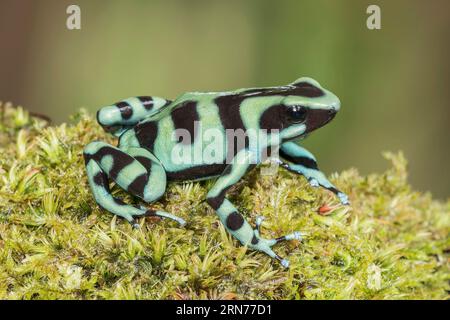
296 114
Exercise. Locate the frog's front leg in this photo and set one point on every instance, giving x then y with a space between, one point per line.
233 221
134 169
299 160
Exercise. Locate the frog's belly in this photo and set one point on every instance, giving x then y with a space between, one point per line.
184 161
195 173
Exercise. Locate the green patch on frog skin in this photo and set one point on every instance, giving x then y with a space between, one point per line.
56 243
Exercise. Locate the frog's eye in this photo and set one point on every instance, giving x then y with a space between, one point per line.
296 114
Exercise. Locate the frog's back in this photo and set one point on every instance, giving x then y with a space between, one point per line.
180 129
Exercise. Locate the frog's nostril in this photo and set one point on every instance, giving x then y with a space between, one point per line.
335 106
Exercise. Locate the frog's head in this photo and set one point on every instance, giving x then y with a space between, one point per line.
306 106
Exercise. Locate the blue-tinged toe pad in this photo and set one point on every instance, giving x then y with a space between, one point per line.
259 220
297 235
344 198
285 263
314 183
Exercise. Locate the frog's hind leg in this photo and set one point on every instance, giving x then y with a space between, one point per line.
134 169
123 115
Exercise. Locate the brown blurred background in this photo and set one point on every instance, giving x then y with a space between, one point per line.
393 82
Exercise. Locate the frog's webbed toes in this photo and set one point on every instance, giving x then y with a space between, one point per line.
265 245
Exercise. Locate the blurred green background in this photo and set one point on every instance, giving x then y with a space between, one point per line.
393 82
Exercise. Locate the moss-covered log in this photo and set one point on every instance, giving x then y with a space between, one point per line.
392 243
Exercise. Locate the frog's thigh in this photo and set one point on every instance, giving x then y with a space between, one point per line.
152 185
99 183
133 169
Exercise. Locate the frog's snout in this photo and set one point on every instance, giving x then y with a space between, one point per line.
332 112
335 106
320 117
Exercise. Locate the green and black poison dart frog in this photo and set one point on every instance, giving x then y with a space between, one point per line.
143 161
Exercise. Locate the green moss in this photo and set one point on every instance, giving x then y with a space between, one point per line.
392 243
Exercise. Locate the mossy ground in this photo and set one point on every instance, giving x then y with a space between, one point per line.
391 243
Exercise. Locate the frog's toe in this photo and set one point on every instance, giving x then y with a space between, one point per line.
265 245
181 222
167 215
161 214
314 183
343 198
258 222
135 224
284 263
297 235
267 250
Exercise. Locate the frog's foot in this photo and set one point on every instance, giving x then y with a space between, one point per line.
265 245
158 213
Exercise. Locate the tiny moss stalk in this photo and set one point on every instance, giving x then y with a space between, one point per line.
56 243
